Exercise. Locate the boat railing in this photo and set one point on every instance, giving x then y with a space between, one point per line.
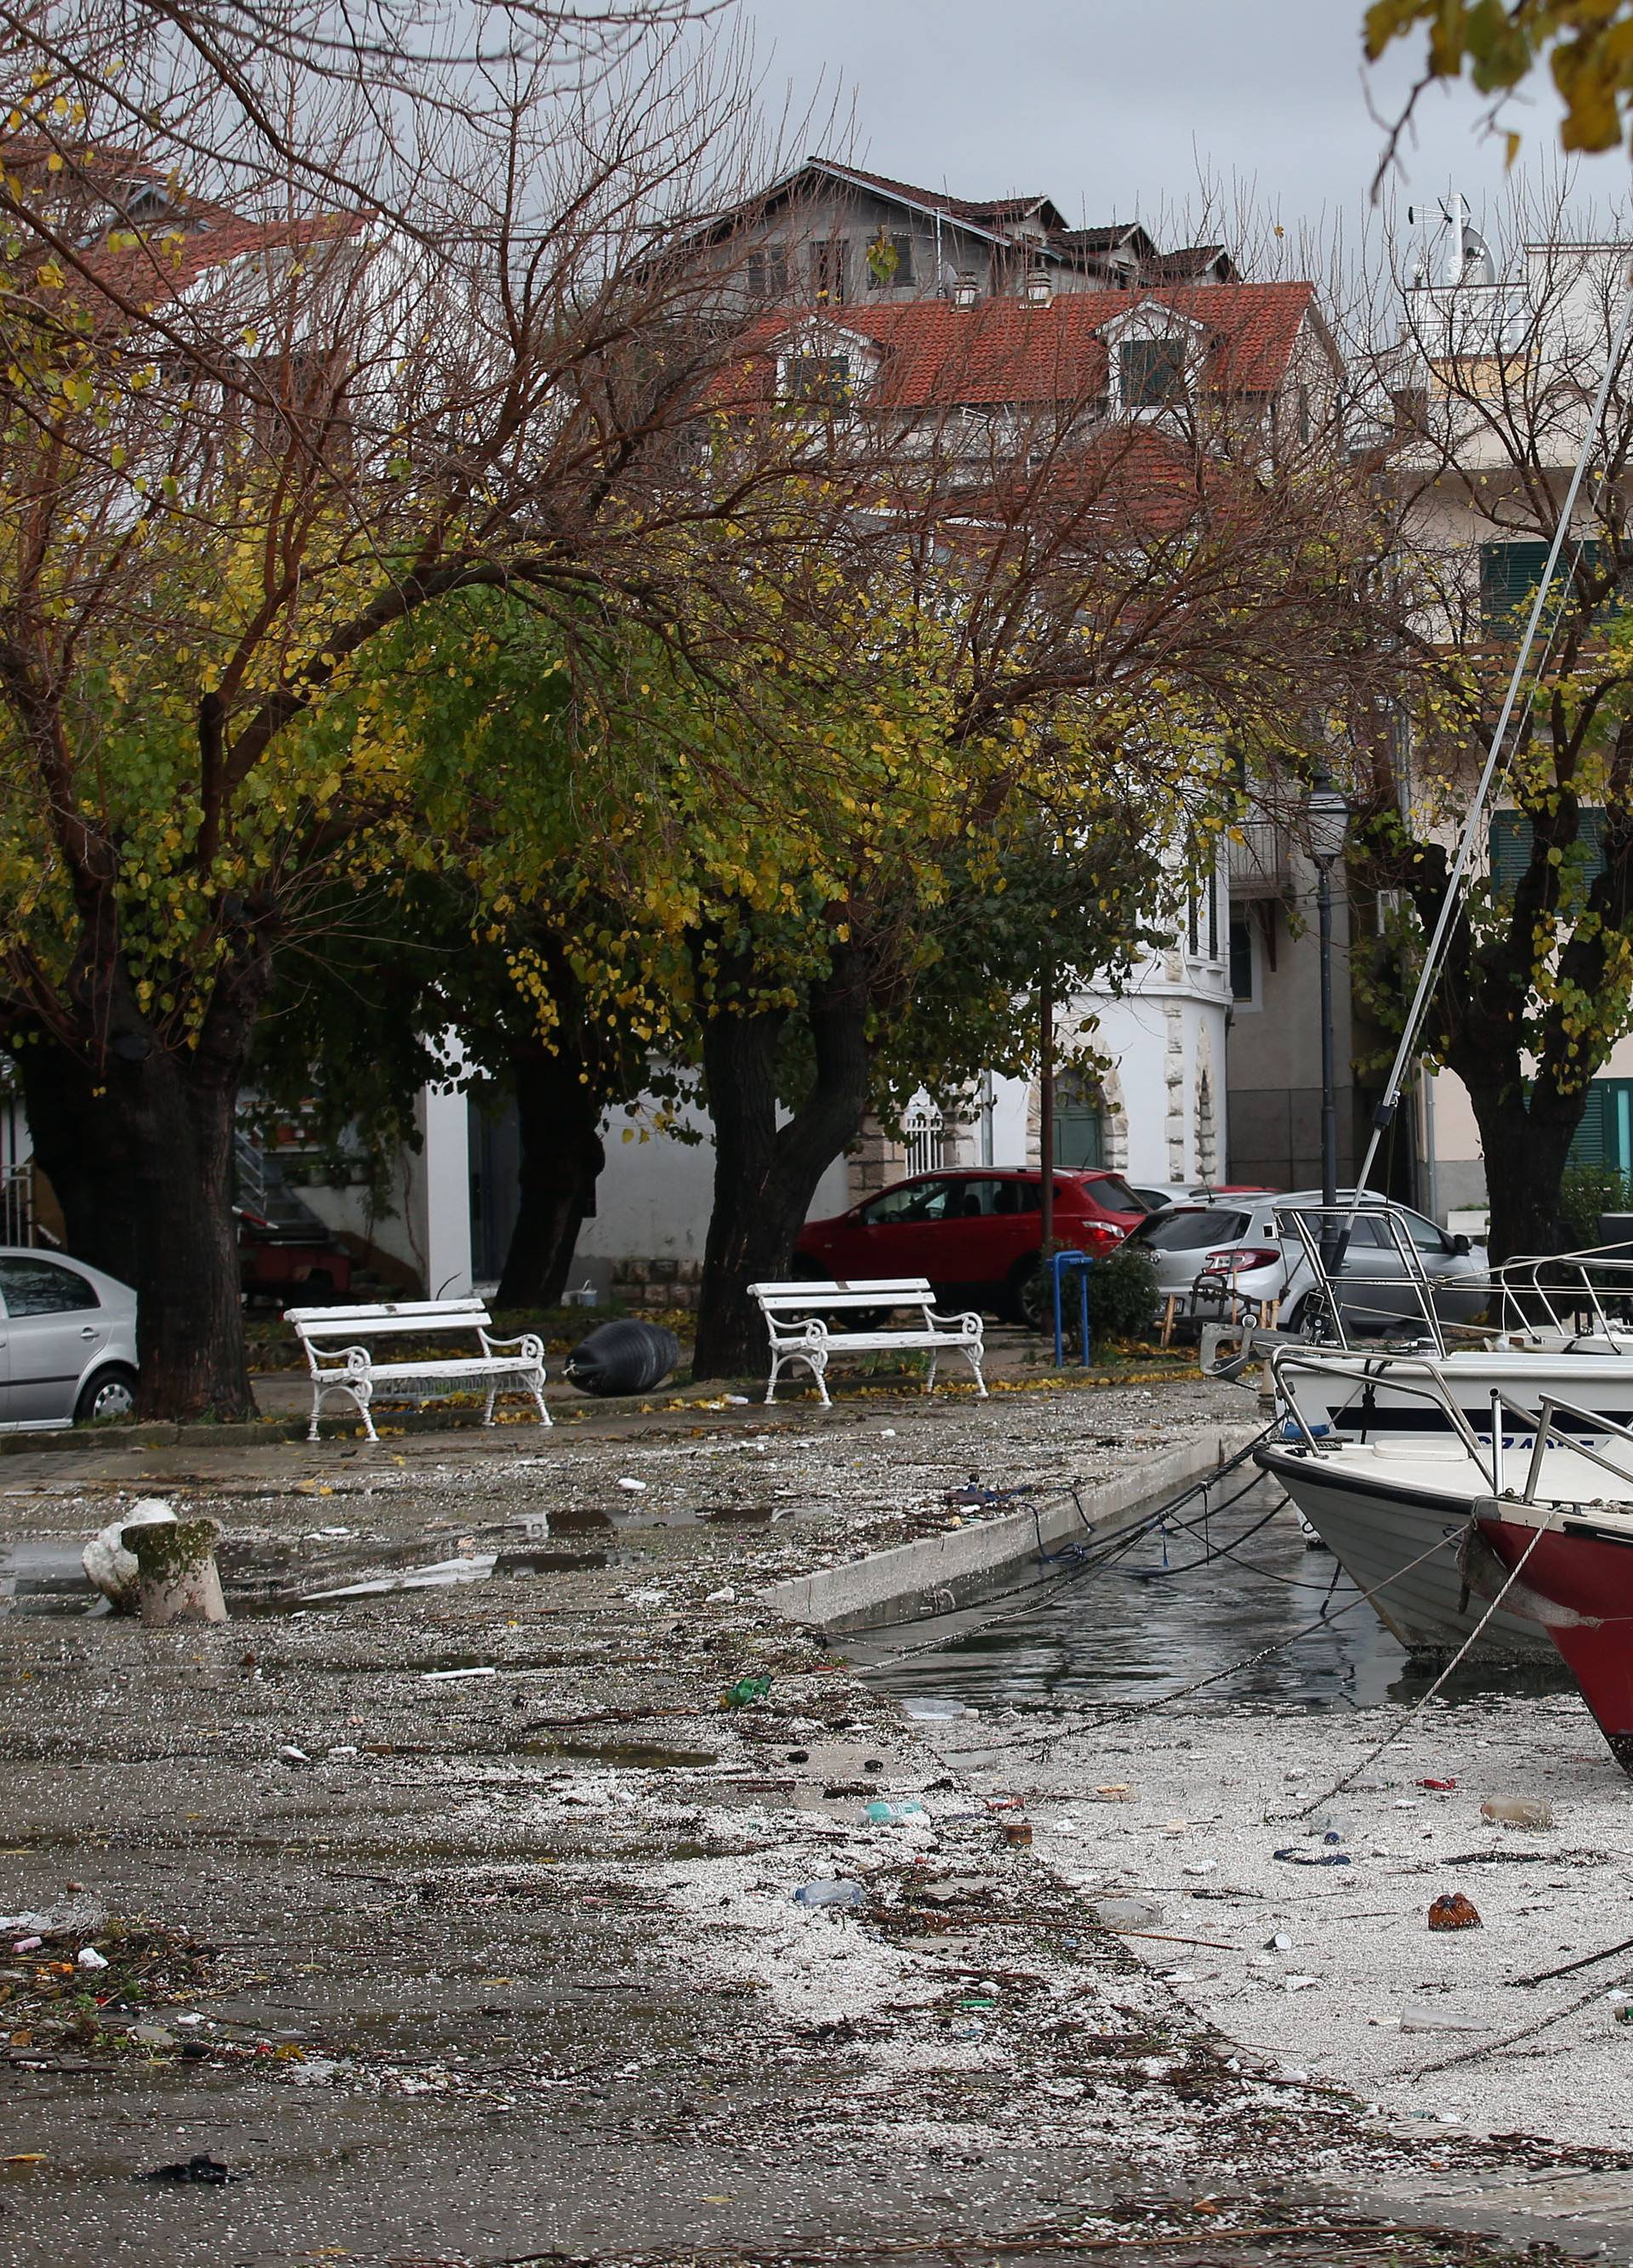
1422 1378
1582 1281
1416 1375
1327 1234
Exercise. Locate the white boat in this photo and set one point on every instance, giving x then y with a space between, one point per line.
1529 1547
1382 1456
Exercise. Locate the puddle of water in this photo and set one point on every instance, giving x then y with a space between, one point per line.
642 1756
47 1578
540 1562
1133 1633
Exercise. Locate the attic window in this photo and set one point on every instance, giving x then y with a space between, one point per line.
767 273
889 261
824 378
1152 371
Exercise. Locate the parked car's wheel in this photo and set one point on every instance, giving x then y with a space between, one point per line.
1025 1299
109 1392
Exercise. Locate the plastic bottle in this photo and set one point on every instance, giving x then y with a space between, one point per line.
841 1891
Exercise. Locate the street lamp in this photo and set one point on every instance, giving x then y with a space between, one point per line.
1327 821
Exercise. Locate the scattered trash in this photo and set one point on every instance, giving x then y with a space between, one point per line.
1199 1867
1518 1811
1280 1943
1127 1913
736 1400
623 1358
1423 2017
200 2167
29 1945
884 1813
1300 1983
1018 1833
1452 1911
745 1692
1292 1858
721 1598
289 1754
1440 1786
428 1674
635 1488
838 1891
90 1958
1116 1791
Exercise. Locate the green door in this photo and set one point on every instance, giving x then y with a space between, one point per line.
1079 1122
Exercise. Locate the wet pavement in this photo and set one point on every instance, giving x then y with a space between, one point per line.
449 1903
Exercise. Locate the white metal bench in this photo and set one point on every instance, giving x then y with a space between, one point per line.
795 1320
341 1361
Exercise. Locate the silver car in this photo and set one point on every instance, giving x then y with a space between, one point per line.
68 1341
1216 1258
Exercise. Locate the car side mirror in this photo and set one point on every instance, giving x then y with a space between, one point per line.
1460 1248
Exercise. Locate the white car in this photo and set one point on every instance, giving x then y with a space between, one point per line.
68 1341
1247 1249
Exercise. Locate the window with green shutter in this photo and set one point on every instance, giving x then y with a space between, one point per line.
1605 1137
1509 577
1512 836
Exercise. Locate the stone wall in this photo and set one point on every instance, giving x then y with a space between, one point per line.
656 1284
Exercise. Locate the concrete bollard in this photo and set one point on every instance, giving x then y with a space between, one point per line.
176 1578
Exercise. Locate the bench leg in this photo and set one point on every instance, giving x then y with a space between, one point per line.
771 1383
537 1391
817 1364
366 1414
972 1356
487 1415
929 1383
317 1403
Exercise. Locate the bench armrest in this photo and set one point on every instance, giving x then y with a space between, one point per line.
337 1362
528 1344
795 1327
967 1322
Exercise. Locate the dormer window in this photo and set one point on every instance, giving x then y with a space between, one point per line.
1152 371
824 378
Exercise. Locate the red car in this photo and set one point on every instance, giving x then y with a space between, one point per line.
974 1233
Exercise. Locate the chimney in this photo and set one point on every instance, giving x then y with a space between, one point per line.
966 291
1040 289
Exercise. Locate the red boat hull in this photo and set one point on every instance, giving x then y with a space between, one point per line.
1584 1573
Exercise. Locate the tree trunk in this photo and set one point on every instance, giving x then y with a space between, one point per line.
1526 1149
559 1114
765 1175
140 1154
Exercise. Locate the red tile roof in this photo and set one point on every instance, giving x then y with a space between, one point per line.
1002 351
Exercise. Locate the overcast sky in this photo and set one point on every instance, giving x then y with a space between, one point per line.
1119 108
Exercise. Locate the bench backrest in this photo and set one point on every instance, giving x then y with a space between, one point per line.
421 1316
882 1292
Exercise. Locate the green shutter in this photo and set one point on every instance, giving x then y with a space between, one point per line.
1603 1136
1512 836
1509 577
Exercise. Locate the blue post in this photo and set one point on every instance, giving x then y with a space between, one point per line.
1059 1264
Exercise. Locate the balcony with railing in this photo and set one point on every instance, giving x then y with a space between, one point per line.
1258 858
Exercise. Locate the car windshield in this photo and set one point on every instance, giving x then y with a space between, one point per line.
1114 1194
1189 1231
